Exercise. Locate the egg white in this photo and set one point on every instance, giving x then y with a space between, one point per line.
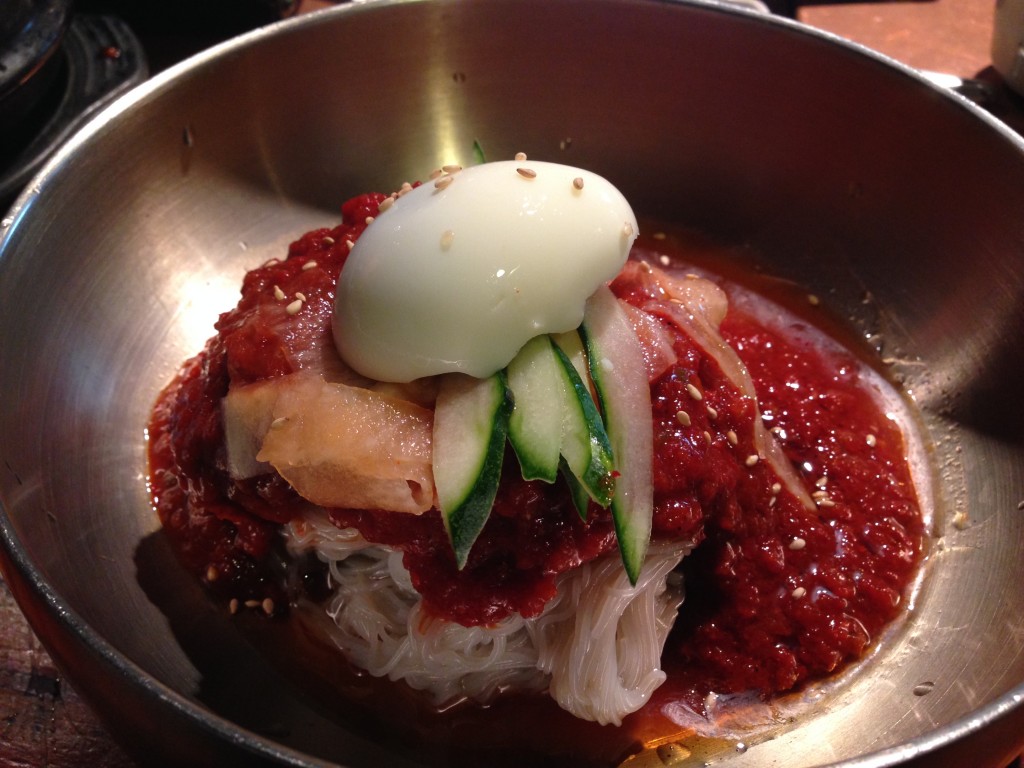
459 273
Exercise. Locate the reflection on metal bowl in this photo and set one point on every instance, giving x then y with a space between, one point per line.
848 173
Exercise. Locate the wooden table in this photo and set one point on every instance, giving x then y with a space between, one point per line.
44 723
940 36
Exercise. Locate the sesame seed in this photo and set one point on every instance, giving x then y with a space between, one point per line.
278 293
312 264
799 592
819 494
294 307
577 183
211 574
349 244
732 437
694 392
752 459
683 418
797 544
444 182
369 220
645 267
268 606
659 235
871 440
435 173
386 203
707 437
821 482
712 413
826 503
520 157
251 603
627 230
453 168
776 488
279 422
233 606
527 173
300 296
771 501
328 240
446 239
665 260
812 300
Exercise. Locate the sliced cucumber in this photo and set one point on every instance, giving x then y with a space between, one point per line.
585 444
470 426
578 494
620 378
572 345
535 426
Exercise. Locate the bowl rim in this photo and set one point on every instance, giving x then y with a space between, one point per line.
14 558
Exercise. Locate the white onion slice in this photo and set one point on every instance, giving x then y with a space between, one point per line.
697 306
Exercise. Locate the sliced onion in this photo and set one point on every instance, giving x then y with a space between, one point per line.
697 306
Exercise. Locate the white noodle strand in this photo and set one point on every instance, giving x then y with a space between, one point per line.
596 647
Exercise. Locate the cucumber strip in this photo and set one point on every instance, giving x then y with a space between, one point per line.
479 158
470 426
585 444
535 426
578 494
620 377
572 345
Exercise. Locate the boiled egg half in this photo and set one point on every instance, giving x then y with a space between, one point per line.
460 272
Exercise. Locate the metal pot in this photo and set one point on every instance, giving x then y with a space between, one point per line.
899 204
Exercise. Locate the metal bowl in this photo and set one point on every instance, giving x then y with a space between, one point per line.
897 203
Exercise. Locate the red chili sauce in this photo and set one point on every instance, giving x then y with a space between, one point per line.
776 594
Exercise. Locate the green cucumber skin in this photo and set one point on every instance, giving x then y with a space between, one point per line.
596 477
578 494
466 522
466 518
572 345
534 379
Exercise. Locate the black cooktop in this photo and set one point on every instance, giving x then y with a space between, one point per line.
62 61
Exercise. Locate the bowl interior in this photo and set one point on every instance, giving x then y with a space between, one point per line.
896 203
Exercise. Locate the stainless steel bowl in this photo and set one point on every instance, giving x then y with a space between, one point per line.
897 203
